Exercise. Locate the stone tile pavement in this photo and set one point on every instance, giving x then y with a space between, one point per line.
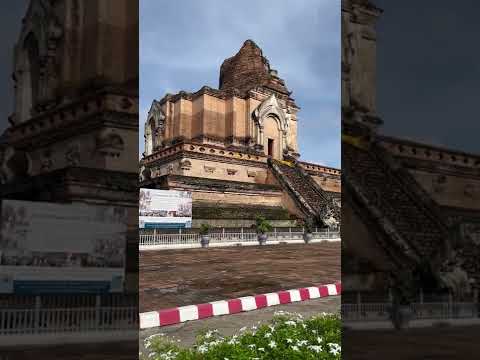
170 278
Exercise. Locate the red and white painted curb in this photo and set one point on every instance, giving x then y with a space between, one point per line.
225 307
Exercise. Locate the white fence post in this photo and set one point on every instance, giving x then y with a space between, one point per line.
98 304
450 302
38 305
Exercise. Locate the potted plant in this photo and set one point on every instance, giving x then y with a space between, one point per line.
403 292
307 230
204 238
262 226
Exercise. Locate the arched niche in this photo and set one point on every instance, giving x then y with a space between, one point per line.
271 127
36 68
272 136
154 128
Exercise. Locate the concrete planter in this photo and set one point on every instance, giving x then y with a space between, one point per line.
401 317
204 241
307 237
262 239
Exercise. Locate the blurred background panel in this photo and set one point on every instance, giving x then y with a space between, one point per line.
68 173
410 179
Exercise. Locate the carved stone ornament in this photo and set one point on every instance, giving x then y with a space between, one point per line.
209 169
271 107
231 171
72 156
438 184
109 143
185 164
46 162
154 128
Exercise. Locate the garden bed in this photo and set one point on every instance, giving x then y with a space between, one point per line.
288 336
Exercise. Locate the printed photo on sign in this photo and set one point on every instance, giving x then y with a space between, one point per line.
90 260
165 209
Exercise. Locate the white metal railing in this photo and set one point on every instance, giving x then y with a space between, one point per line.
365 311
168 239
430 310
36 321
226 236
456 310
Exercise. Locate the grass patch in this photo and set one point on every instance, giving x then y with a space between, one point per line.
287 336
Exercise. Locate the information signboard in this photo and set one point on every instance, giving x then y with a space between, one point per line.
165 209
55 248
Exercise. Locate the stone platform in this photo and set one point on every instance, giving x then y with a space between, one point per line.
170 278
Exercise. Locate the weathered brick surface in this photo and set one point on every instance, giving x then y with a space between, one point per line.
249 69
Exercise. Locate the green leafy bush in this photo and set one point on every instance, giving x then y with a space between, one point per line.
262 225
204 229
288 336
308 225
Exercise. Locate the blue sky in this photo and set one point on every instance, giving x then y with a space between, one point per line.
183 44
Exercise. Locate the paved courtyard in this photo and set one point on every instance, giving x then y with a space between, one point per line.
170 278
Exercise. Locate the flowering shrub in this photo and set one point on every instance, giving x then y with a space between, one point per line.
288 336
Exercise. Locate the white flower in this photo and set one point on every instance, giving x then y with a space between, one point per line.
302 342
295 348
202 349
261 349
243 329
268 335
208 335
314 331
316 348
272 344
334 348
252 346
289 340
290 323
319 339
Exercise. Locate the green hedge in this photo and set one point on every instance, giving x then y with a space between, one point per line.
239 212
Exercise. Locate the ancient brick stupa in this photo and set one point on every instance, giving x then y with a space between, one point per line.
229 146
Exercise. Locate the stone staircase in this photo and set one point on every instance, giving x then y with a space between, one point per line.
309 196
401 206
